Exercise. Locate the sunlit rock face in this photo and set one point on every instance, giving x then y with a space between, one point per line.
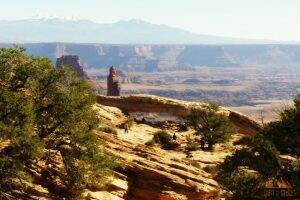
113 85
74 63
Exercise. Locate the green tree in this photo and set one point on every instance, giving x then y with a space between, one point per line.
243 185
261 156
212 125
285 133
44 112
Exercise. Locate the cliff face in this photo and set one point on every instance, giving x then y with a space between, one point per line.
73 62
149 58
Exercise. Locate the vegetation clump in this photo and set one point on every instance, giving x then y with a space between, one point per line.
210 124
244 185
46 113
162 137
191 145
262 155
285 133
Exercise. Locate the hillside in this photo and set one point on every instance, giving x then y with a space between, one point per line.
149 58
150 172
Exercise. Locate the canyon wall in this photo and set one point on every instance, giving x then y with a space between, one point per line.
149 58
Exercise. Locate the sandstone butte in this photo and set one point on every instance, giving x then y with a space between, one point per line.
152 173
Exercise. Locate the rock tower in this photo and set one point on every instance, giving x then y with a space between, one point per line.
72 61
113 85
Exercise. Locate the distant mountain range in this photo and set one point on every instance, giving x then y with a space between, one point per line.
149 58
122 32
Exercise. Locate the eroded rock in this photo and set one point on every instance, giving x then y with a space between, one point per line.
74 63
113 85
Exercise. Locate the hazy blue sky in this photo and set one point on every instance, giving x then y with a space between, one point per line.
261 19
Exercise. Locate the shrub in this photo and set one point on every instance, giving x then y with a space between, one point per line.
162 138
210 124
285 133
244 185
191 145
108 129
261 156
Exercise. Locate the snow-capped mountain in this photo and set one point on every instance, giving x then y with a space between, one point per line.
70 29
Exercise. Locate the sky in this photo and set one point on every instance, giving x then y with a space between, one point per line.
253 19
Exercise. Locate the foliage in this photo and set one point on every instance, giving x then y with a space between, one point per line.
191 145
285 133
244 185
43 109
262 156
212 125
162 137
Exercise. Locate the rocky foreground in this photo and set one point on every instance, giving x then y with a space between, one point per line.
150 172
154 173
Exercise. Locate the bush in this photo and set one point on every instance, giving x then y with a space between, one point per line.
162 138
210 124
108 129
191 145
261 156
285 133
244 185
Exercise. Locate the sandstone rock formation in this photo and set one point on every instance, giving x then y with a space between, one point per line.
150 172
72 61
113 85
152 104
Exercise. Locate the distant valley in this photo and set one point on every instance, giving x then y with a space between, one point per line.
241 76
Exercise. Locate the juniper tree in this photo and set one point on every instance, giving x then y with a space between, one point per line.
44 112
212 125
